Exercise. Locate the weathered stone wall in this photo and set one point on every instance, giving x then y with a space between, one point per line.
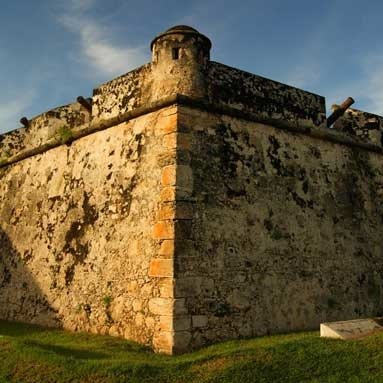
365 126
122 94
76 233
286 231
56 125
264 98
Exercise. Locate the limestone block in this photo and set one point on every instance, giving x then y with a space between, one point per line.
167 248
167 158
168 175
168 194
351 329
163 342
161 267
181 341
166 288
163 230
165 324
184 141
133 288
161 306
167 211
181 323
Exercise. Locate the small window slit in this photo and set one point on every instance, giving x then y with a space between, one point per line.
175 53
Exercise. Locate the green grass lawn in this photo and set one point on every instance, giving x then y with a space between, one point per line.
32 354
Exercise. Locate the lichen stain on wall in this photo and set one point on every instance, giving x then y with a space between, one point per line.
285 230
76 233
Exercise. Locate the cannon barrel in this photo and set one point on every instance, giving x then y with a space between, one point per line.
85 102
339 111
24 121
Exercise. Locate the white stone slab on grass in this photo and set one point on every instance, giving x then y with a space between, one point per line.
351 329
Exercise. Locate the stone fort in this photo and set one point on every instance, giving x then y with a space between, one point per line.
187 202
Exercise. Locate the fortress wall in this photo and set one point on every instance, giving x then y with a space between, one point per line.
286 231
76 233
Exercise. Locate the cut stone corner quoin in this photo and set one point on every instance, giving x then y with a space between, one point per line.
175 212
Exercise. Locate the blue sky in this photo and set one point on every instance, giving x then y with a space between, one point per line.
51 51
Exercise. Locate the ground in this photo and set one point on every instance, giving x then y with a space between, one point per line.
31 354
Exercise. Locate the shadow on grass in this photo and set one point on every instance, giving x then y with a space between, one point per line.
123 345
67 352
17 329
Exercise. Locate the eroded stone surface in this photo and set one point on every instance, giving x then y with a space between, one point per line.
365 126
56 124
286 232
264 98
76 238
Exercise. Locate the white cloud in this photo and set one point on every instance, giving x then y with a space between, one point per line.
105 56
80 5
96 46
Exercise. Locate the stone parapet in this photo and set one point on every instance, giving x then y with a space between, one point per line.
267 99
123 94
21 151
52 128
